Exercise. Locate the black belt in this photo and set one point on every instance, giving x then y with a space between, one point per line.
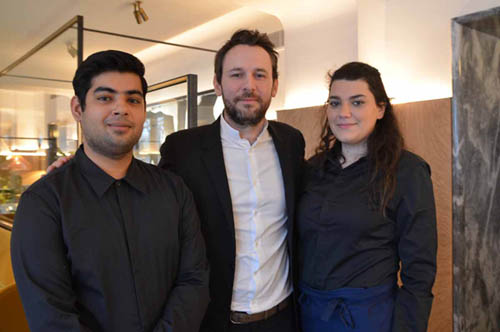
239 317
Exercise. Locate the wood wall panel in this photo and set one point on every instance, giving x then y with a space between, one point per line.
426 128
6 274
309 121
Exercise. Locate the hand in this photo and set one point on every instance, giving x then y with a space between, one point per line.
58 163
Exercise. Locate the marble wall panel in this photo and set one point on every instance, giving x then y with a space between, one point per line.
476 170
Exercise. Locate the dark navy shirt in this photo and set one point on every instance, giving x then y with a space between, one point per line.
91 253
345 241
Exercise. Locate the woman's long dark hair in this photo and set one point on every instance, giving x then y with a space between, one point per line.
385 143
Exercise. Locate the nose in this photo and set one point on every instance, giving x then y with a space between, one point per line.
249 84
345 110
121 106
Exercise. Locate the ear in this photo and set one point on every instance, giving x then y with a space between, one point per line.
381 111
275 88
76 109
217 87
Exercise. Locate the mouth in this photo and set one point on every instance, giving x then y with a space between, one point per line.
120 126
248 100
345 125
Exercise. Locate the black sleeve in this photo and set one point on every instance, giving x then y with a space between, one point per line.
167 160
41 269
417 247
302 165
188 300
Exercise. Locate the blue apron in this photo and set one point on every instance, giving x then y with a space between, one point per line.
347 309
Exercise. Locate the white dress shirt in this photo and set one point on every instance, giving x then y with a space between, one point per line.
259 209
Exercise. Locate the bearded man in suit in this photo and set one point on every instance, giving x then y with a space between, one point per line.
244 172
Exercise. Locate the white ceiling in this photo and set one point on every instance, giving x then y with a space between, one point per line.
25 23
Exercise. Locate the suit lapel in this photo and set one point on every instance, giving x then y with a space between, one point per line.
287 170
213 158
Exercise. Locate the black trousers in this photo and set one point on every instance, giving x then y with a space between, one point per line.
283 321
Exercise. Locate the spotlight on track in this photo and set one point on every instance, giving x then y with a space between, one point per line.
139 13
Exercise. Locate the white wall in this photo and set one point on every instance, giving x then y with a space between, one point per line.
165 62
311 52
410 43
319 35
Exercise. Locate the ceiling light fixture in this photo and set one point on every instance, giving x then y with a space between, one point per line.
139 13
71 49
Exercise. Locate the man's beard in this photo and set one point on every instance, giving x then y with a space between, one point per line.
109 145
246 116
109 148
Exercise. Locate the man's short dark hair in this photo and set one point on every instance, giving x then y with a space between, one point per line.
250 38
106 61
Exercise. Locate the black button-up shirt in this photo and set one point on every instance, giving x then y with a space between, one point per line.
345 241
91 253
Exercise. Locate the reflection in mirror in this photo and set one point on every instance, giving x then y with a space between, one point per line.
165 116
36 126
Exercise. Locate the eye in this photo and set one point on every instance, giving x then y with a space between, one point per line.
135 100
358 102
103 98
235 75
261 75
334 103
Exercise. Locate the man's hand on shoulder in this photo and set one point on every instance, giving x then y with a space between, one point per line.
58 163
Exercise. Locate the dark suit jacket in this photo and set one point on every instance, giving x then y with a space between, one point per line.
196 155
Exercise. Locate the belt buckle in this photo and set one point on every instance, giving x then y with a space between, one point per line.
233 321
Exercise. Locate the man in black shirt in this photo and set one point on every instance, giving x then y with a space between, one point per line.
106 242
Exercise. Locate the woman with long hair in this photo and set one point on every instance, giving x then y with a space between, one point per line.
367 213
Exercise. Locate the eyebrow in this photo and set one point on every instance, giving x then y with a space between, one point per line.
351 97
241 69
110 90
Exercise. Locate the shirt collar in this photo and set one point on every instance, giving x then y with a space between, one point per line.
100 181
333 163
135 176
232 135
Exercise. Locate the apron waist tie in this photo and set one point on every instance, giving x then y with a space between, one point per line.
327 306
338 305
